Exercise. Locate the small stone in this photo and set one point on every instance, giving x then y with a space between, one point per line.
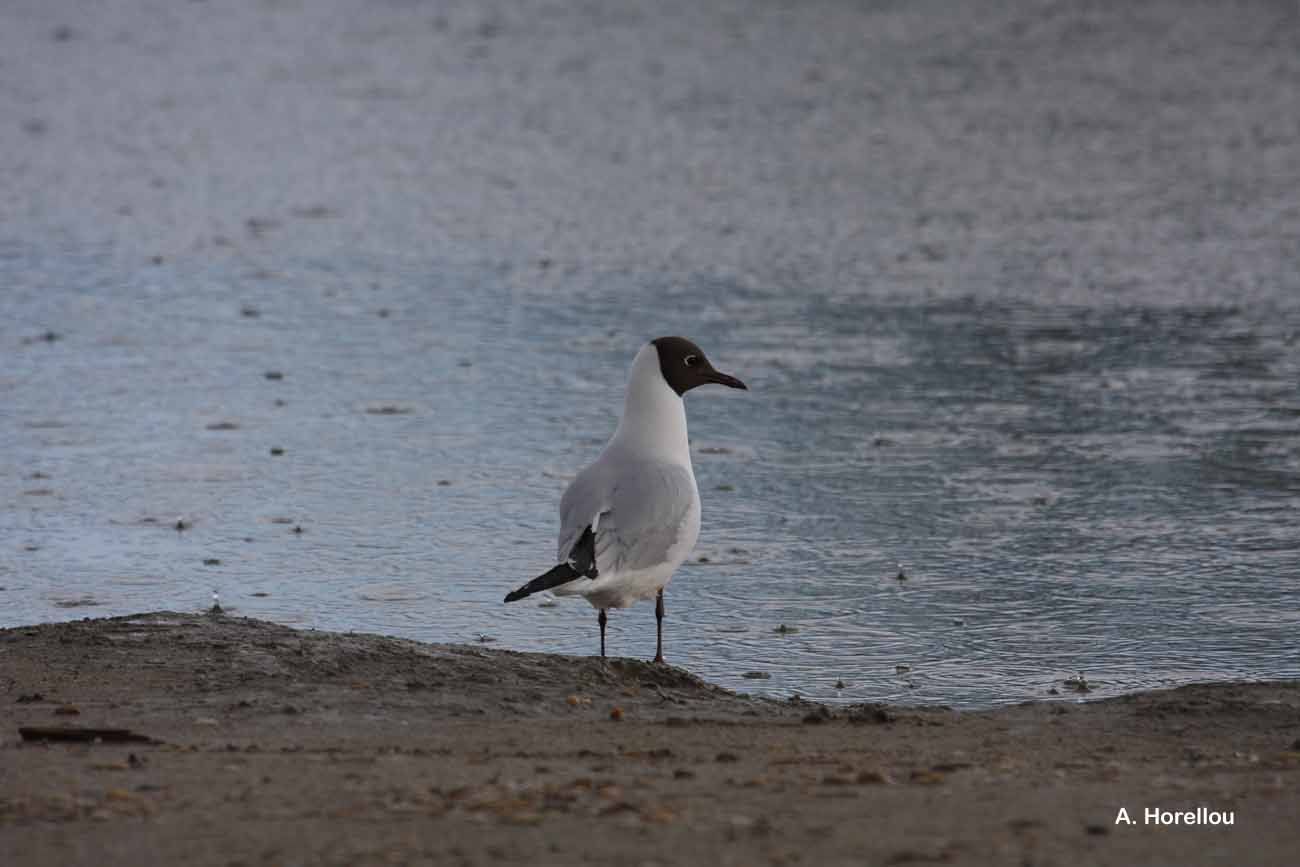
616 714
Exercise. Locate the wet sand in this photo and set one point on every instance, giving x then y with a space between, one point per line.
278 746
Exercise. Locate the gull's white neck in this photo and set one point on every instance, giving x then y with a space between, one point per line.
654 416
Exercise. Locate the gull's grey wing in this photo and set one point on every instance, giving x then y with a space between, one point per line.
648 506
581 506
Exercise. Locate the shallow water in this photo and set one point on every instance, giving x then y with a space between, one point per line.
1108 489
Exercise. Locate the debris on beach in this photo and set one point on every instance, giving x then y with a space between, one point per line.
1078 683
83 735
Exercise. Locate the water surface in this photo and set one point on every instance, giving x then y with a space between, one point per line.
1105 488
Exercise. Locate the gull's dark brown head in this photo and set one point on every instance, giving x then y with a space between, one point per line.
685 366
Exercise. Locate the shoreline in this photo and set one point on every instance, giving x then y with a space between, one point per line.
278 745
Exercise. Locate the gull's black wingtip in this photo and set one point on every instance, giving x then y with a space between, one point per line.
583 565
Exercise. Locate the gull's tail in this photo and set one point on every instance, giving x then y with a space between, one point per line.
582 564
562 574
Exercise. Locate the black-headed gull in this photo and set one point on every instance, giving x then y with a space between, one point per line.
632 517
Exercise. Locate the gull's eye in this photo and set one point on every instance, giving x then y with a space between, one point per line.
692 360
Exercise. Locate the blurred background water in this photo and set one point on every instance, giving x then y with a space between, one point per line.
353 297
1105 490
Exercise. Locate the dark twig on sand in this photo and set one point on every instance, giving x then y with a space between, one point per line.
83 735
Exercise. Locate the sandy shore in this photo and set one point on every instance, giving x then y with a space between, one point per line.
276 746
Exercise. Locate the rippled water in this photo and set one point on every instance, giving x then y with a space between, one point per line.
1109 488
